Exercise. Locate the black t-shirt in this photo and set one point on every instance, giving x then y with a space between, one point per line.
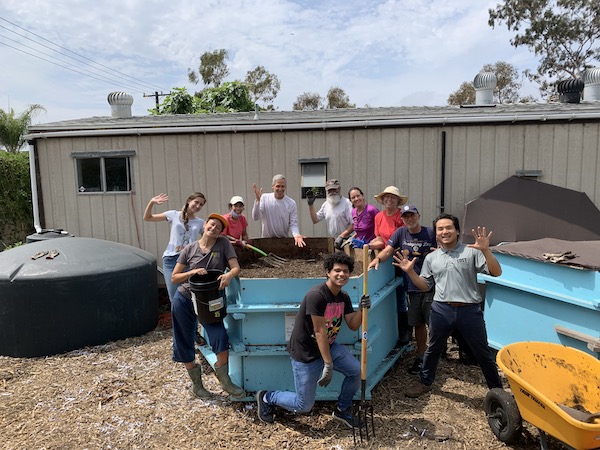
319 301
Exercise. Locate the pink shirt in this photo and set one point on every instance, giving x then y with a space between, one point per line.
236 226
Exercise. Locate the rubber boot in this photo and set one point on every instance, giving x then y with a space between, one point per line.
222 373
198 390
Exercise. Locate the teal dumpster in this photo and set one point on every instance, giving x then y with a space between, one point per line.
549 291
260 317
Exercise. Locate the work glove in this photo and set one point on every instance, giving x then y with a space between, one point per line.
338 242
310 197
239 243
359 243
327 375
365 302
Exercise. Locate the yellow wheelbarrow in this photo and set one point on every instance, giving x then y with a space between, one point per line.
555 388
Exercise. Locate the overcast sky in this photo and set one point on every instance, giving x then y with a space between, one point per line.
382 53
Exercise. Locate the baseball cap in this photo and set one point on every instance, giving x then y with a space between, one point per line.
332 184
409 209
236 199
220 218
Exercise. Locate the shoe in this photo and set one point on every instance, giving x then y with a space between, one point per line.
417 389
415 369
265 411
347 418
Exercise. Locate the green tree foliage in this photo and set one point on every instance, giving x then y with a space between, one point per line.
263 85
308 101
337 98
232 96
563 33
213 68
16 215
179 101
14 126
464 95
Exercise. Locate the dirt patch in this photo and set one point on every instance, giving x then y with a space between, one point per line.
293 268
130 395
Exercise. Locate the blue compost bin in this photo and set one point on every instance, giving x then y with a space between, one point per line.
260 317
536 299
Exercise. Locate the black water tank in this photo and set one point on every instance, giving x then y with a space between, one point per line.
92 292
47 234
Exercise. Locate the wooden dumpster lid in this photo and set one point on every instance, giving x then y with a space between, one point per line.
587 253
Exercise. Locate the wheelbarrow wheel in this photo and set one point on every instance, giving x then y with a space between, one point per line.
503 415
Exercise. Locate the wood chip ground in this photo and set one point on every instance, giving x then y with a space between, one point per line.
130 395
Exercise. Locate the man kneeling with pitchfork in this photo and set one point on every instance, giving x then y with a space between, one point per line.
314 352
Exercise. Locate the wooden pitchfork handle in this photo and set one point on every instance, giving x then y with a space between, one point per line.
365 321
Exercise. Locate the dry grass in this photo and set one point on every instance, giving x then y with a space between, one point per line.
130 395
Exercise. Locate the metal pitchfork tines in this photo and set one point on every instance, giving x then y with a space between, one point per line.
363 410
274 260
270 259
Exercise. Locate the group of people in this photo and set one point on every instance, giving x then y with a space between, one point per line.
439 280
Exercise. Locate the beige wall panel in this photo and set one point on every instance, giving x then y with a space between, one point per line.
546 149
574 151
590 176
559 155
456 170
398 159
501 151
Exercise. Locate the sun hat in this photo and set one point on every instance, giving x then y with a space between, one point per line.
394 191
220 218
236 199
409 209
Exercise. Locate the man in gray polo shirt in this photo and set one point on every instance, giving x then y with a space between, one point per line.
456 303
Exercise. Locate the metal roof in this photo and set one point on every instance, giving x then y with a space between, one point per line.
319 119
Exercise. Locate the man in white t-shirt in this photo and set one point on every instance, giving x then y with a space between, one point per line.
277 212
336 210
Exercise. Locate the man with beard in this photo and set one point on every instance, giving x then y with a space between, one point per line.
277 212
337 212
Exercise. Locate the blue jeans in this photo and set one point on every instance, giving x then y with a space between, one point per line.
184 331
306 376
468 320
168 266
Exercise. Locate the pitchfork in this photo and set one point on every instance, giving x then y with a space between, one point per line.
363 410
271 259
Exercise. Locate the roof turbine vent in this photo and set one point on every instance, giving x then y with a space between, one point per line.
591 80
484 83
120 104
569 91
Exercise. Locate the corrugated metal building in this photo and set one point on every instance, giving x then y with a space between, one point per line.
95 176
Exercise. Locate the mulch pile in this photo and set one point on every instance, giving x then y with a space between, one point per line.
130 395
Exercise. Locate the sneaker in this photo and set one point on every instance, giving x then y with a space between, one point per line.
347 418
416 389
415 369
265 411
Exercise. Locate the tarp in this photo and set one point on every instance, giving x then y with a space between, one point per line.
584 254
520 209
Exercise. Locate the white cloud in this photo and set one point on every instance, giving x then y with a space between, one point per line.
382 53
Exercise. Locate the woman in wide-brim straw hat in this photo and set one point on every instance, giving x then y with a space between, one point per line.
388 220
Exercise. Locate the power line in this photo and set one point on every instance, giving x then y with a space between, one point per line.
111 71
70 67
65 67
